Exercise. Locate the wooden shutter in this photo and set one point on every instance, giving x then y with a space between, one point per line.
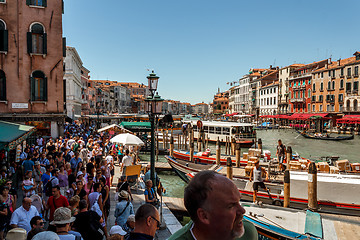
44 3
28 2
44 97
32 89
29 42
45 43
3 93
64 46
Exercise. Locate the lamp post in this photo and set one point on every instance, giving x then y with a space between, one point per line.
154 108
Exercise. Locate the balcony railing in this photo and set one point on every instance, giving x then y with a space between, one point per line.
301 100
303 75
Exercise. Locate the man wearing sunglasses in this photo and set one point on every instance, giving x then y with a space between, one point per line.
147 221
37 225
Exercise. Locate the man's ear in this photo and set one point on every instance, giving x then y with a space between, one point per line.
203 216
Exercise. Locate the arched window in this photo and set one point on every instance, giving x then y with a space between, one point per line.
37 39
2 86
321 86
333 85
38 86
3 37
329 85
309 93
314 87
355 105
341 83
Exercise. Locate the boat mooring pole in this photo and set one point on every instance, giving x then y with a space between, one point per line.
171 146
218 152
287 188
192 151
233 144
288 157
260 144
229 170
199 144
312 187
238 154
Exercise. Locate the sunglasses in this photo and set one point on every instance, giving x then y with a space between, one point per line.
157 221
41 223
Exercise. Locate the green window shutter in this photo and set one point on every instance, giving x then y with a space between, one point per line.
64 46
63 7
3 88
28 2
32 88
29 42
45 92
6 40
44 3
45 43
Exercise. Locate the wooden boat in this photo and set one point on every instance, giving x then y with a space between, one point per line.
343 198
204 158
243 133
325 137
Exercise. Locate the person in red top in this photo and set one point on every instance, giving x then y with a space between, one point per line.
55 201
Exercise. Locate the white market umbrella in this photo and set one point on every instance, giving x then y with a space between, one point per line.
127 139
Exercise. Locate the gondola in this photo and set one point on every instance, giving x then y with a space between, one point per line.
326 137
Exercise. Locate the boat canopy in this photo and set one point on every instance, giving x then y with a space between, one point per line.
222 124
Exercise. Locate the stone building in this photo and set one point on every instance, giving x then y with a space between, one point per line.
31 64
74 85
269 98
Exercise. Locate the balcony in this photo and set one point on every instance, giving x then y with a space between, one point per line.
351 109
297 100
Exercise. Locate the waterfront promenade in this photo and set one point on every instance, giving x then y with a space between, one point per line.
172 224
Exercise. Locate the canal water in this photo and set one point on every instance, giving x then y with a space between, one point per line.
308 148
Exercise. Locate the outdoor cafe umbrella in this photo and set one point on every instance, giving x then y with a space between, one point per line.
127 139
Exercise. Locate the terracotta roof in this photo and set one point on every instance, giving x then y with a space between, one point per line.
335 64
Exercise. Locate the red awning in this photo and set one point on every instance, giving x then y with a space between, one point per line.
351 119
306 116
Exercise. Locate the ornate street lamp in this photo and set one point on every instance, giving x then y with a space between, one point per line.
154 109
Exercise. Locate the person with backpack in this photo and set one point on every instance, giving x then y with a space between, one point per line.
88 223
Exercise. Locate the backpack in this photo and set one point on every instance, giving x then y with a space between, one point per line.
95 207
48 187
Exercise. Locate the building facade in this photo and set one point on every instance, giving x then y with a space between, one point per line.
269 99
31 63
74 83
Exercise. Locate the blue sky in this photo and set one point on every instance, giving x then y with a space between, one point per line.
196 46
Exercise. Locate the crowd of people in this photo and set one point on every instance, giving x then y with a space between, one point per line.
64 185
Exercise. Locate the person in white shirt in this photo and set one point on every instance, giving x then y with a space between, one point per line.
126 161
21 216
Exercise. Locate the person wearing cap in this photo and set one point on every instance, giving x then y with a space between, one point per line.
22 216
56 201
147 221
117 230
123 209
62 220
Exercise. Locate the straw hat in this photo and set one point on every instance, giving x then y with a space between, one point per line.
16 234
47 235
62 215
124 194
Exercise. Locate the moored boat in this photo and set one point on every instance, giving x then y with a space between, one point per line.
325 136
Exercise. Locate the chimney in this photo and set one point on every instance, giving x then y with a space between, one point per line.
338 61
326 66
270 66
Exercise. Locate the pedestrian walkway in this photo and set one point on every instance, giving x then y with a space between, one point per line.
172 224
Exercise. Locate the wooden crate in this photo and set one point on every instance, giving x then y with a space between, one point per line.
343 165
334 170
323 167
355 167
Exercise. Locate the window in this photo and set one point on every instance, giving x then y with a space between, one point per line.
39 3
342 72
341 98
329 85
308 108
2 86
341 83
37 39
309 93
320 108
356 71
348 86
322 74
2 1
356 86
333 85
314 87
321 86
313 107
349 72
3 37
38 86
321 98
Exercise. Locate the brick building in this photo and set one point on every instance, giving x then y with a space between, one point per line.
31 63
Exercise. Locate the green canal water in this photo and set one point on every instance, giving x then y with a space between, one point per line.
307 148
